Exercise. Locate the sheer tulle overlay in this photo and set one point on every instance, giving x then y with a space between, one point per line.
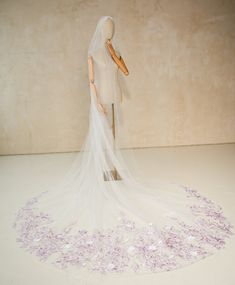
92 224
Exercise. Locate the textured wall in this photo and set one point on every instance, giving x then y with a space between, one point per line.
181 60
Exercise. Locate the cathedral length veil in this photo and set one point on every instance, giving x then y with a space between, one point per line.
117 226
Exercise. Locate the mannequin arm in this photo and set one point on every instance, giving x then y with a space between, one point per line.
92 84
118 59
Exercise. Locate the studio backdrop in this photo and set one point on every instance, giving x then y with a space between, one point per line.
180 55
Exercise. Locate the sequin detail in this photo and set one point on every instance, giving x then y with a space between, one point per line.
126 247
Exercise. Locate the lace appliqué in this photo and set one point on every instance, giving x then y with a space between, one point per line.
126 247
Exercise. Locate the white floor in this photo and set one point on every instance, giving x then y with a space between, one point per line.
209 168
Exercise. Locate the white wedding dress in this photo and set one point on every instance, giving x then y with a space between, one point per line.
117 226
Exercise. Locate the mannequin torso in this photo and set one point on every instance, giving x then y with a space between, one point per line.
98 73
100 78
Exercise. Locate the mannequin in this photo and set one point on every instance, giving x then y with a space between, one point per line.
107 99
105 103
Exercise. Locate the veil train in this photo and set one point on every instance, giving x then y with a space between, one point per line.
90 225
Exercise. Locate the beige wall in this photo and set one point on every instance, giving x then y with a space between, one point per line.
181 60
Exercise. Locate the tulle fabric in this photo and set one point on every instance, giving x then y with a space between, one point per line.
94 202
119 226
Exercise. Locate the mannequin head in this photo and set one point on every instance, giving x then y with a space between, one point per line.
107 29
103 32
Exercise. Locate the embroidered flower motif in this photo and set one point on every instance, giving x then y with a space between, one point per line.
126 247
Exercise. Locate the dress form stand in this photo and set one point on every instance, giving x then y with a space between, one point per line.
112 174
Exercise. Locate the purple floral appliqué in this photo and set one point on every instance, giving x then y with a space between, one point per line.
126 247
